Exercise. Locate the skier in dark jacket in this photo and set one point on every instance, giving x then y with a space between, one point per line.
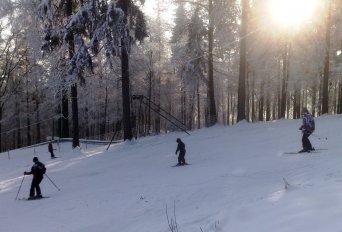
307 128
181 149
38 171
50 147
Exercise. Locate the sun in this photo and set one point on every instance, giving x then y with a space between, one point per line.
292 12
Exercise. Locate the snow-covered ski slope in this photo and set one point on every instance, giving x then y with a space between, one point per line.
236 182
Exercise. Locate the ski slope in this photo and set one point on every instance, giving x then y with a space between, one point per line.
236 182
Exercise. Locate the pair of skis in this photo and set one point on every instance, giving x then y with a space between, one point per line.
307 152
180 165
33 199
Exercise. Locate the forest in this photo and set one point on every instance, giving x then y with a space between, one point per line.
103 69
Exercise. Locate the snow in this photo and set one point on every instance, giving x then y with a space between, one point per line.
236 182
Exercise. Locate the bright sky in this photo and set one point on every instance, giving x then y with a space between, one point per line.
167 9
292 12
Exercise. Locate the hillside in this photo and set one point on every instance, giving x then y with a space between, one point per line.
235 183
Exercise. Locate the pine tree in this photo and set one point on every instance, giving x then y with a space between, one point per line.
102 23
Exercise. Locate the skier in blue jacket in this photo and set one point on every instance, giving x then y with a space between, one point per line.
307 128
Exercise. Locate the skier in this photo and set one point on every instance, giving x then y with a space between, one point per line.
181 149
50 147
38 170
307 128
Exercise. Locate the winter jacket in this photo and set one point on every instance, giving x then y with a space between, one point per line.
38 170
181 147
50 147
308 124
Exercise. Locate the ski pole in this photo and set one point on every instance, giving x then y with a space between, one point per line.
52 182
319 137
20 187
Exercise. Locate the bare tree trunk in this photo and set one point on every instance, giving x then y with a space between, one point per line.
125 94
247 110
335 97
65 116
241 114
75 137
253 100
126 104
261 102
28 123
228 106
325 93
198 106
74 99
38 132
296 102
1 147
182 104
339 104
285 80
105 111
211 90
150 78
268 105
18 134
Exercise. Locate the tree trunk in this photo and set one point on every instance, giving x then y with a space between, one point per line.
126 105
65 116
228 106
296 103
183 106
18 134
339 105
247 98
253 99
325 90
106 111
38 133
198 106
285 80
241 114
268 105
150 78
211 91
74 102
28 123
74 99
261 103
1 148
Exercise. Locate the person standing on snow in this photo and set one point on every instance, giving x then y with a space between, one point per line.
181 149
38 170
50 148
307 128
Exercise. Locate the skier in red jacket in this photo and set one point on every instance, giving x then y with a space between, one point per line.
50 147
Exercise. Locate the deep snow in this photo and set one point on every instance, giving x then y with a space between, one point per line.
235 183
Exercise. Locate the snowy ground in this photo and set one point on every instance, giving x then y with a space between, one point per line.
235 183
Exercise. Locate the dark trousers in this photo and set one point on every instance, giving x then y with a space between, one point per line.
181 159
52 155
306 142
35 186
